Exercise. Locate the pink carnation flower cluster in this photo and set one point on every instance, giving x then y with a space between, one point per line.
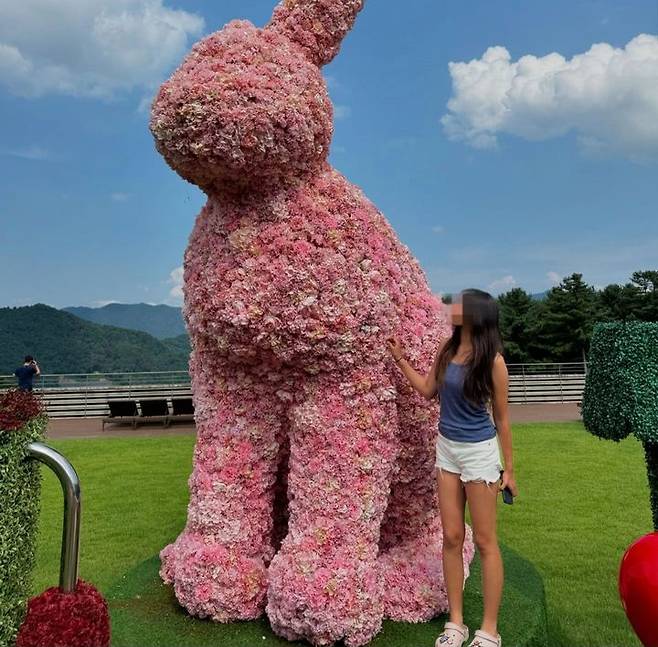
313 495
318 27
227 120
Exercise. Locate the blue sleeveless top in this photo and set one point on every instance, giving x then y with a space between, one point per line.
459 419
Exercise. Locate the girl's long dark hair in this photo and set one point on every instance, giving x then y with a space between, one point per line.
481 311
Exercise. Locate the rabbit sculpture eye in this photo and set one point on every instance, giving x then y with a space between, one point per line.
313 497
249 108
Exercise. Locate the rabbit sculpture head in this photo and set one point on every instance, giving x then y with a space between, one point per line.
248 109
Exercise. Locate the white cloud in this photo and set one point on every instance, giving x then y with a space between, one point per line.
24 301
145 103
120 197
438 229
176 281
101 303
505 283
608 96
453 276
332 82
342 112
554 278
36 153
600 258
90 47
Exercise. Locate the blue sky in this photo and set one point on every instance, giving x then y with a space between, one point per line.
91 214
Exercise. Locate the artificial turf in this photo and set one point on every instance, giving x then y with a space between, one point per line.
582 502
145 612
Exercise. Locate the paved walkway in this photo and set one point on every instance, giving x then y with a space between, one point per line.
544 412
70 428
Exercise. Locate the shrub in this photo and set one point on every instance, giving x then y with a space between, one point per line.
22 421
621 390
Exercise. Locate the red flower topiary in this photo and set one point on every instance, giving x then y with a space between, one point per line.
18 407
58 619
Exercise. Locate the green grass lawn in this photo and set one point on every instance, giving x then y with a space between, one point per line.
582 502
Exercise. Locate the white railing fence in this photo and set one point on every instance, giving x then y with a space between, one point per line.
101 380
86 394
546 383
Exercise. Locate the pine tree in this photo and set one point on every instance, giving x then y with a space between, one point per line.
514 308
647 285
561 326
619 303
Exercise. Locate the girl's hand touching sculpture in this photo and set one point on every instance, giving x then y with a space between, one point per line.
395 348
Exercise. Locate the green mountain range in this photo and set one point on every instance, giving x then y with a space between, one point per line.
161 321
64 343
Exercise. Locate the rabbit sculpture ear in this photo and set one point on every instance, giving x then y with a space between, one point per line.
317 26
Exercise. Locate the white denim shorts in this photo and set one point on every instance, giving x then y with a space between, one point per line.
479 461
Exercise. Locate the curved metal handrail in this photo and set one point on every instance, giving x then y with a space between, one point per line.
68 477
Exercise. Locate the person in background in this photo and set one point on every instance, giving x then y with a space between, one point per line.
26 373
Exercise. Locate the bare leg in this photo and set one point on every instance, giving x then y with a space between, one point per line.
411 544
482 506
452 500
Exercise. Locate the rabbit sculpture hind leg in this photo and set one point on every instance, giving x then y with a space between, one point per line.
325 582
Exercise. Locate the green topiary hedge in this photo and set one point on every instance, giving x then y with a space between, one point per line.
20 488
621 390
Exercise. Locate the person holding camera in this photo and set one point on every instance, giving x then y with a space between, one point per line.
26 373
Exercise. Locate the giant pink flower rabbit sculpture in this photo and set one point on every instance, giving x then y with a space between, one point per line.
313 495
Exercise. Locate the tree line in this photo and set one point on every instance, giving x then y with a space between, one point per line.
559 327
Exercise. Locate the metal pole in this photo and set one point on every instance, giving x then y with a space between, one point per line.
70 557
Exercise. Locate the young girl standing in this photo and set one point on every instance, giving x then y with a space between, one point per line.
468 374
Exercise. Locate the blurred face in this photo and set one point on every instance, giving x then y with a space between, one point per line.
457 313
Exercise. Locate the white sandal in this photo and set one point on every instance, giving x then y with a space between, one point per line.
453 635
484 639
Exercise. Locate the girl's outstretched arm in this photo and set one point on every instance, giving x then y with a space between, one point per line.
501 420
426 385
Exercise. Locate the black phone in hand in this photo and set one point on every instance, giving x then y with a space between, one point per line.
508 497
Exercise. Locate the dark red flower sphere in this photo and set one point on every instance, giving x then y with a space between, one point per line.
58 619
